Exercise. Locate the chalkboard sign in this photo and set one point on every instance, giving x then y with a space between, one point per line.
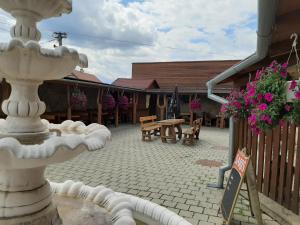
234 184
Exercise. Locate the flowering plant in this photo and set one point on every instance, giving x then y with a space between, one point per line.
123 103
109 102
294 106
238 105
78 99
268 96
195 105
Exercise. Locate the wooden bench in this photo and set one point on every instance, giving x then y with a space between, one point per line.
149 127
192 133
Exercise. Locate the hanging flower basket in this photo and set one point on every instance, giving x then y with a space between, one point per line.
195 105
238 105
123 103
109 102
78 99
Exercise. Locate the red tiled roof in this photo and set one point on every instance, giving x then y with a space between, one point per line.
140 84
84 76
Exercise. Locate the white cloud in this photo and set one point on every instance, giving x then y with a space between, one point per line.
114 35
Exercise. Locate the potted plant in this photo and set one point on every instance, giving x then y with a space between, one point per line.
123 103
109 102
195 105
78 99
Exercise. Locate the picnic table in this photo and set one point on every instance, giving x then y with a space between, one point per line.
170 125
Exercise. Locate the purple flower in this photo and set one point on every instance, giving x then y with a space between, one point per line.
268 97
263 107
297 95
293 85
259 97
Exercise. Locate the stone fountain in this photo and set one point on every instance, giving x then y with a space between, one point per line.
28 144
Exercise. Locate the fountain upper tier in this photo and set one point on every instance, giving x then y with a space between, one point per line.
29 12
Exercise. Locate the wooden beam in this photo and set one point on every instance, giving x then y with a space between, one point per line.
99 105
117 116
191 112
286 24
134 108
163 106
69 109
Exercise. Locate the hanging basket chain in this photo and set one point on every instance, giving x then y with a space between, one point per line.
294 48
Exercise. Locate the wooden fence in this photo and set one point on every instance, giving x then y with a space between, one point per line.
276 160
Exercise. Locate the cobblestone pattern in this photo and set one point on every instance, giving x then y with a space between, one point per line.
164 173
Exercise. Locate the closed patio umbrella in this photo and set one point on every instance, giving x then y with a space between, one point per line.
174 105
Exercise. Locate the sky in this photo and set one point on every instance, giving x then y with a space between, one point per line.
116 33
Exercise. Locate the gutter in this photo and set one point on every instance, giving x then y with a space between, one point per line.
266 19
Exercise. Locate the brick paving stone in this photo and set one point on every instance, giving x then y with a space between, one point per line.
181 200
196 209
182 206
211 212
185 213
192 202
216 220
167 197
166 174
200 216
169 203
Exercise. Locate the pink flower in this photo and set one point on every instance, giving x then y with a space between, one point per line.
259 97
283 74
258 74
263 107
293 85
252 119
238 105
251 89
268 97
285 65
297 95
273 63
287 107
266 118
224 108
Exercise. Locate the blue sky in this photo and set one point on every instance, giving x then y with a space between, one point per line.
115 33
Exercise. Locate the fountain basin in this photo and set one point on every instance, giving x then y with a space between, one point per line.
123 209
31 62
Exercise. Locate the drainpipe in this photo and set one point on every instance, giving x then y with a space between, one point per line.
266 19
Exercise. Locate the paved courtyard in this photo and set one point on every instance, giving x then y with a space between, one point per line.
172 175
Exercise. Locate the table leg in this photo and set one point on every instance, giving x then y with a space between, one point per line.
172 133
163 133
179 131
